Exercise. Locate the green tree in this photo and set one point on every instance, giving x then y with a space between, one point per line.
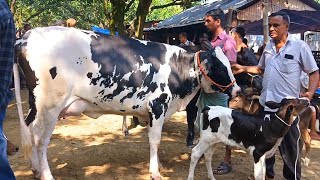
110 14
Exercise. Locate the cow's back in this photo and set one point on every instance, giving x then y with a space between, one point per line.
111 72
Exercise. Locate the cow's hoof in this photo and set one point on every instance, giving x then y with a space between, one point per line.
190 145
126 133
36 173
306 161
155 178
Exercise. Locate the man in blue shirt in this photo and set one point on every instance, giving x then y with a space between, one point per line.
7 40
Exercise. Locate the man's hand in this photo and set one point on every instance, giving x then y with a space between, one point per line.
237 68
307 95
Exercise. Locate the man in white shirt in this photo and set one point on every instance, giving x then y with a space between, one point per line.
184 40
282 62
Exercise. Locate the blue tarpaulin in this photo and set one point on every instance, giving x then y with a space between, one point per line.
101 30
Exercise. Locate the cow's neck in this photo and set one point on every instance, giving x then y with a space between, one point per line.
274 128
184 83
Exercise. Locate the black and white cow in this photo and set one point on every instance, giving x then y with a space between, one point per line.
259 135
70 71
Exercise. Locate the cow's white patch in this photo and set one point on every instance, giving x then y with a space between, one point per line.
21 41
143 42
171 50
127 76
251 149
192 73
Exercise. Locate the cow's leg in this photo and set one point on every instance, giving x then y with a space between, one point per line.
260 168
35 166
154 141
43 128
192 110
125 126
157 112
208 158
197 152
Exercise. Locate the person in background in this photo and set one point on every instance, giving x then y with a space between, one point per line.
21 32
184 40
238 34
245 41
7 41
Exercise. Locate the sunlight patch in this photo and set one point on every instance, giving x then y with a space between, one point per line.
89 170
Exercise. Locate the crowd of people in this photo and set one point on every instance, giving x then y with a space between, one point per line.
281 63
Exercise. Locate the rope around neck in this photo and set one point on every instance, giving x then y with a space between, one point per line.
221 87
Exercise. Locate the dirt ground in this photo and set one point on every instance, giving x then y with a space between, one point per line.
96 149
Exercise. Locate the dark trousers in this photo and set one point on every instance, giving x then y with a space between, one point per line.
290 149
6 172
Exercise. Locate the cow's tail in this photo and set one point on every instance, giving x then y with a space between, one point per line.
25 132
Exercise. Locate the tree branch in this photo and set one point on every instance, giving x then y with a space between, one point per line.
128 6
174 3
13 3
41 11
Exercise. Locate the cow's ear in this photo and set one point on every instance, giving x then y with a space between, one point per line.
272 105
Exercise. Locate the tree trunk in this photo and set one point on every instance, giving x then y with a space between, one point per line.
141 15
265 21
117 17
13 3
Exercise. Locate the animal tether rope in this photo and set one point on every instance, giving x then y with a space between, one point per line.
221 87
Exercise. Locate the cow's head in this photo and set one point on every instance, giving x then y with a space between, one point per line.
289 107
216 72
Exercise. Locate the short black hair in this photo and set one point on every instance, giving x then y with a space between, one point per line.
284 16
184 34
241 31
217 14
245 41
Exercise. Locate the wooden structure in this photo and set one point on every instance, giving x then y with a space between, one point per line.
238 12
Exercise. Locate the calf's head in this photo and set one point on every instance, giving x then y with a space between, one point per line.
289 107
216 72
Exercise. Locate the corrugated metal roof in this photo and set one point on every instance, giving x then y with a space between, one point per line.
196 14
300 21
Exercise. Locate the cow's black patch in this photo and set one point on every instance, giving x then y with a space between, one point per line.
159 106
89 75
215 124
135 106
150 119
151 88
205 118
128 96
29 74
180 83
53 72
245 128
122 110
162 85
115 62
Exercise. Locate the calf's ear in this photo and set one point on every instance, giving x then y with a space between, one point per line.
273 105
